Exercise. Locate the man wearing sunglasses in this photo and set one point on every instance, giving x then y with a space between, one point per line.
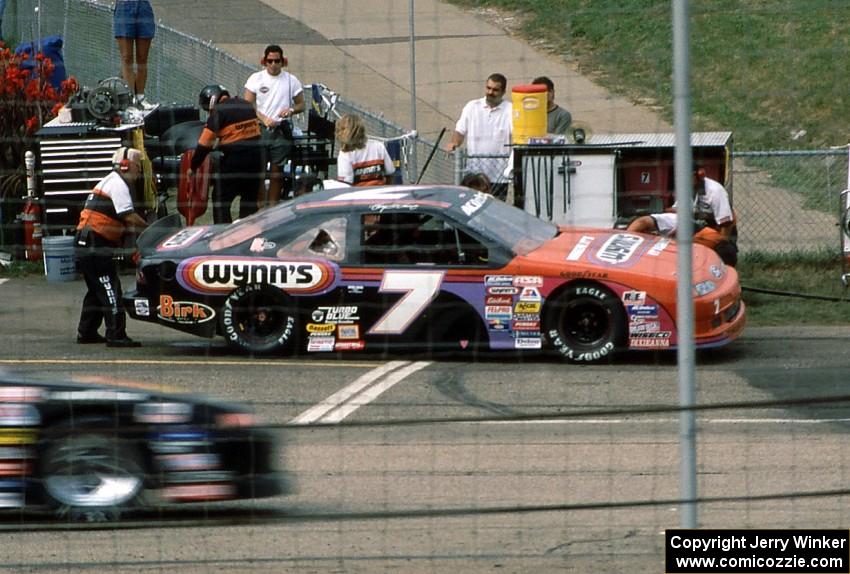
277 96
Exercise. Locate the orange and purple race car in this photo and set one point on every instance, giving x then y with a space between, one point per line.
425 268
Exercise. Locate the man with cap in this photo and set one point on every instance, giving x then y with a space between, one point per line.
232 127
107 215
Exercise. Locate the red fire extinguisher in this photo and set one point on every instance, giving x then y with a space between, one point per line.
31 214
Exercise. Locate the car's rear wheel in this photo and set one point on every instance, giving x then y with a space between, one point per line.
91 476
586 323
259 319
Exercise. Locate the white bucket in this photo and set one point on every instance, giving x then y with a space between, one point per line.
60 264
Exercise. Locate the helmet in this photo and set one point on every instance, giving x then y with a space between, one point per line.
210 95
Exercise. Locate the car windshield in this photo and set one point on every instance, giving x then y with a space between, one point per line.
252 226
513 227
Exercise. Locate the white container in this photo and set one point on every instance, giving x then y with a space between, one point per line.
60 264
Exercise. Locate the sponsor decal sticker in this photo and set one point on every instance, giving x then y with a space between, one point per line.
498 280
643 310
716 271
11 437
498 312
530 294
527 307
583 275
342 314
526 325
528 343
659 246
356 289
528 281
527 317
657 340
349 332
160 413
320 343
320 327
182 238
497 325
17 415
475 203
207 274
634 297
350 345
644 326
183 312
218 491
580 247
619 248
189 461
502 290
499 300
259 244
142 307
21 394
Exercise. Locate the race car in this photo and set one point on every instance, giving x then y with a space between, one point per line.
425 268
93 449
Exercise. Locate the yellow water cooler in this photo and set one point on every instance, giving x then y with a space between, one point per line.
529 112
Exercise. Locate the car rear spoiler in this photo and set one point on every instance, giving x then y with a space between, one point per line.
157 231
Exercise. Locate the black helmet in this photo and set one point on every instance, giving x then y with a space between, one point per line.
210 95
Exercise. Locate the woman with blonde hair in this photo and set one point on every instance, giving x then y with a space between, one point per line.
361 161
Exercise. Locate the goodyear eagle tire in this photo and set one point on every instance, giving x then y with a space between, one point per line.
258 319
586 323
92 476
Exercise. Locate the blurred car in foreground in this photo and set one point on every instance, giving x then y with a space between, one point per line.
92 451
425 268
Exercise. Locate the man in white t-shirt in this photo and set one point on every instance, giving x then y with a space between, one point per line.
485 126
277 96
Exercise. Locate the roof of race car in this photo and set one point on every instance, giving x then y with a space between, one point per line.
443 197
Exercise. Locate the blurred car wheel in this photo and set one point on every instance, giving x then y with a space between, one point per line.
91 476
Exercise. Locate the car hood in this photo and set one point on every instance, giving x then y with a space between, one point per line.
619 251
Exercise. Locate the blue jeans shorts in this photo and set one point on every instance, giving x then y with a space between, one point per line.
133 19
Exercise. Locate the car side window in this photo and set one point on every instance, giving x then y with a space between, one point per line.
417 239
326 239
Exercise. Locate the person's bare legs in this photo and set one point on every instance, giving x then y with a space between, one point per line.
275 185
143 47
125 47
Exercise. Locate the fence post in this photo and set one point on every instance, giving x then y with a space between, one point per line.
459 164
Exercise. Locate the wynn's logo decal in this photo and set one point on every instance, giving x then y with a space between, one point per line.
222 275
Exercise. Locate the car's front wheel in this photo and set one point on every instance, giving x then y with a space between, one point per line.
91 475
259 319
586 323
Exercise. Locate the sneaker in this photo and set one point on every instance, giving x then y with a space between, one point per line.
143 104
90 339
124 342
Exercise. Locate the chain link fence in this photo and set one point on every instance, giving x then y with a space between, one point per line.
785 201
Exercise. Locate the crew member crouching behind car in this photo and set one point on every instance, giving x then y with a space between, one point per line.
714 220
107 215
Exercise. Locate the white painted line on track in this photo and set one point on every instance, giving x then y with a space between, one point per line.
372 393
348 399
728 421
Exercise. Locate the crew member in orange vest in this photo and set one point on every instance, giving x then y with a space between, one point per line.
107 215
232 128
